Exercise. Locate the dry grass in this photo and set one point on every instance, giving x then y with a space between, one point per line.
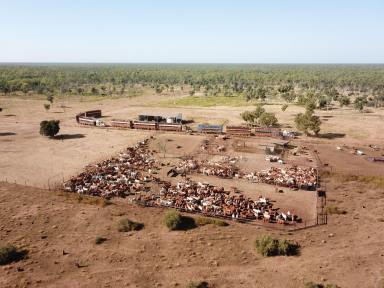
201 221
93 200
126 225
332 209
375 181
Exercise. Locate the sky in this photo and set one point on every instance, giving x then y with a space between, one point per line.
192 31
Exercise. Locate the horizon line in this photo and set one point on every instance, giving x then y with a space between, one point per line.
200 63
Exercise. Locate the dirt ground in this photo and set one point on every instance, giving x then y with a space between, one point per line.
30 159
347 251
59 231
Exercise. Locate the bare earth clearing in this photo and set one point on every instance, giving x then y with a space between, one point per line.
348 251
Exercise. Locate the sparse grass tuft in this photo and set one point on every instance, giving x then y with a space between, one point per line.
267 246
126 225
202 284
100 240
10 253
332 209
175 221
93 200
201 221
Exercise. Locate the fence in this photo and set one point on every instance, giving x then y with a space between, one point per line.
284 227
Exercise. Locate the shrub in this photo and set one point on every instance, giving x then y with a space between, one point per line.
49 128
126 225
100 240
202 284
175 221
47 106
335 210
267 246
50 99
10 253
268 119
287 248
201 221
172 220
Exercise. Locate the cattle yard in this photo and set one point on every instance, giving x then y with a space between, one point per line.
201 174
258 180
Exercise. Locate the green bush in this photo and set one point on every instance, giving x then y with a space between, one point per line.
100 240
126 225
49 128
201 221
175 221
287 248
10 253
267 246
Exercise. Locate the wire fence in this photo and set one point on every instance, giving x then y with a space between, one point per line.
288 226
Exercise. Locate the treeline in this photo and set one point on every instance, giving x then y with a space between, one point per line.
289 82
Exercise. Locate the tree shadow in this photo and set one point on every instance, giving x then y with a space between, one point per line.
7 133
187 223
69 136
187 121
332 135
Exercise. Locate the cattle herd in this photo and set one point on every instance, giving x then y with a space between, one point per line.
214 201
292 177
118 176
134 170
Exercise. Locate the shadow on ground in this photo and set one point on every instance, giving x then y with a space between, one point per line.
7 133
332 135
69 136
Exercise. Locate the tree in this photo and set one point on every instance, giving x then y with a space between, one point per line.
49 128
50 99
288 96
47 106
252 116
261 93
94 91
360 102
344 101
306 122
324 101
268 119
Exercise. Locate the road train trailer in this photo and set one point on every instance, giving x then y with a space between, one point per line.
210 129
87 121
145 125
238 131
127 124
170 127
